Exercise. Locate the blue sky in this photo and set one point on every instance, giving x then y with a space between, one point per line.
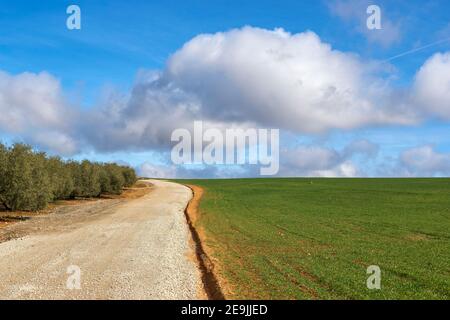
118 40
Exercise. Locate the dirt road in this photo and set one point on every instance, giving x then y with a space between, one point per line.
137 249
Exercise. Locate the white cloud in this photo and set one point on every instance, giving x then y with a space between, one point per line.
344 170
291 81
55 141
425 161
28 100
317 161
432 86
149 170
244 77
310 158
170 171
32 106
303 161
248 77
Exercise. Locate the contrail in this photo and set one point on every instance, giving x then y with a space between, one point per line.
417 49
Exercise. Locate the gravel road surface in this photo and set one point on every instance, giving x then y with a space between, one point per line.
134 249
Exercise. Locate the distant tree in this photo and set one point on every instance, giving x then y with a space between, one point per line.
117 180
129 175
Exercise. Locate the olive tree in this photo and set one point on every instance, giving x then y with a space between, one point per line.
3 159
60 178
29 180
86 177
25 183
129 175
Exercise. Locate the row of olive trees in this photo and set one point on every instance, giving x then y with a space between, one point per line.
30 180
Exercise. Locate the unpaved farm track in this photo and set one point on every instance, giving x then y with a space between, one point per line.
137 249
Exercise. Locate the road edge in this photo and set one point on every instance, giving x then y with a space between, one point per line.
209 279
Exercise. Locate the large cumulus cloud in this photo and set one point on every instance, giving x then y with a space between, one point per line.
32 107
432 86
281 80
246 77
250 77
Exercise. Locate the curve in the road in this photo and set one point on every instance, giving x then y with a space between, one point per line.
140 249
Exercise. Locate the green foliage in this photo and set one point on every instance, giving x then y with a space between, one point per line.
30 180
105 180
116 178
61 179
3 169
25 182
129 175
90 179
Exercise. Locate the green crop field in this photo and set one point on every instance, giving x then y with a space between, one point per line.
315 238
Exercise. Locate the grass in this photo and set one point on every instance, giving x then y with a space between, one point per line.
315 238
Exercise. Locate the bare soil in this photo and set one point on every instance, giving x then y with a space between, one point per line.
129 247
216 286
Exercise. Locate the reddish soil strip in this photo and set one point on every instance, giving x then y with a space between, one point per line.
209 278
